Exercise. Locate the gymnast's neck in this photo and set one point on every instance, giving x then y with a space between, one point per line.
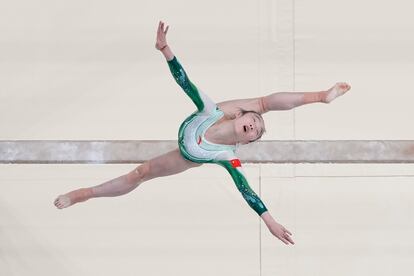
222 132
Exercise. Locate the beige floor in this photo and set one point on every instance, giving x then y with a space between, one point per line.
83 70
197 223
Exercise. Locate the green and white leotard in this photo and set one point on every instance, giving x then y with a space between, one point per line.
193 145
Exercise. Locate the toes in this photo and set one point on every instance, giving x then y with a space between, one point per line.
343 86
347 85
58 203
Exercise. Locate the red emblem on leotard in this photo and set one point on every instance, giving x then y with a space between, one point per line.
235 163
199 140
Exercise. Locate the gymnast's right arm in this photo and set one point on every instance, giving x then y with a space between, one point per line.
200 99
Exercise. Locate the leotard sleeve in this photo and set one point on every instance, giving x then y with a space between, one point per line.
233 166
200 99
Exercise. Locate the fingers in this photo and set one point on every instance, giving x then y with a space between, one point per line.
285 237
290 239
287 231
283 240
161 28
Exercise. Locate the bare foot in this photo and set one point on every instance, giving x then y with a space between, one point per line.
335 91
73 197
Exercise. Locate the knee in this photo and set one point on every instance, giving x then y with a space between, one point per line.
139 173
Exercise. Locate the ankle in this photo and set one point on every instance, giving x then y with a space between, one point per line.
87 193
80 195
324 95
315 97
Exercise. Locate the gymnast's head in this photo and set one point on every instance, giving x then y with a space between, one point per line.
249 126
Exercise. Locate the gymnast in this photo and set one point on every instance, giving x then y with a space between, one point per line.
211 134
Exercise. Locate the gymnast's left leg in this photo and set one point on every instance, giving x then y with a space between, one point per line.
166 164
289 100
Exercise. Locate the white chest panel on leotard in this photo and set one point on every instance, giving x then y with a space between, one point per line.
194 139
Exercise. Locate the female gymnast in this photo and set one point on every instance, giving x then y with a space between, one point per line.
209 135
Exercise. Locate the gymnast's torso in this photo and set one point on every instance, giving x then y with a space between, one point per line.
192 141
195 147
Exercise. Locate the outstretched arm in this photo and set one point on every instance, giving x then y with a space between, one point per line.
200 99
233 166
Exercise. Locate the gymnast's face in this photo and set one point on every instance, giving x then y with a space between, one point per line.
249 127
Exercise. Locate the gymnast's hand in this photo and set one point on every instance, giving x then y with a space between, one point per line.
281 232
161 36
276 229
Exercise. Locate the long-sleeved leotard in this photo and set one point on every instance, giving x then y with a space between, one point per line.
193 145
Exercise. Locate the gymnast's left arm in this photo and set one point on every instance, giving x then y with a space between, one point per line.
233 166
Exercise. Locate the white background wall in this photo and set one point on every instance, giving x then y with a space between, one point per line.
83 70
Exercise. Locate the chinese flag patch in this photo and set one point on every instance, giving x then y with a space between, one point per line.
235 163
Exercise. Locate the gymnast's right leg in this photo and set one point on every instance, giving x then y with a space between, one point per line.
167 164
